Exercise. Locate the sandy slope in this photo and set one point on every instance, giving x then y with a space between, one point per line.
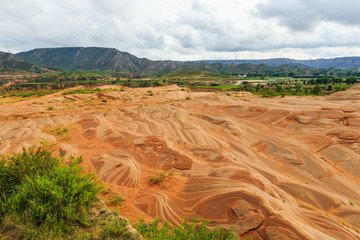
280 168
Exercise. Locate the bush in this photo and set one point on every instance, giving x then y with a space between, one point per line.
116 199
41 197
116 228
194 229
317 90
159 177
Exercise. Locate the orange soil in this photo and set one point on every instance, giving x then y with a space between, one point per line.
278 168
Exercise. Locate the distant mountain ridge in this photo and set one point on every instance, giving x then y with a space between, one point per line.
113 61
340 62
10 63
79 58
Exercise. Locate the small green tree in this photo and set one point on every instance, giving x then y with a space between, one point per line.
279 88
298 88
258 87
316 90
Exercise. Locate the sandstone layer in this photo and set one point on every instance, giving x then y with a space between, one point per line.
272 168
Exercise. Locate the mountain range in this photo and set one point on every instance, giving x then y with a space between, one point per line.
10 63
341 63
113 61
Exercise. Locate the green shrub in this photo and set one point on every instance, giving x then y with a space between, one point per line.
159 177
116 199
116 229
194 229
42 198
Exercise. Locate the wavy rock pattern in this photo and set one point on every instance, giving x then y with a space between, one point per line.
280 168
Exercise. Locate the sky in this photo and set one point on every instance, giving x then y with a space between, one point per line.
186 29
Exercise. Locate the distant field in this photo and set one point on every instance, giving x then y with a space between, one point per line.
226 87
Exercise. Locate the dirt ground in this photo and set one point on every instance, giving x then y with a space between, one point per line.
273 168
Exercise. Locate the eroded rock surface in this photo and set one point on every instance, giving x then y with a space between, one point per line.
277 168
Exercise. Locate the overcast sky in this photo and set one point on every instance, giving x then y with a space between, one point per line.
186 29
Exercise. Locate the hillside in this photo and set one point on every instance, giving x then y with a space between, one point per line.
109 60
113 61
92 58
275 168
10 63
341 63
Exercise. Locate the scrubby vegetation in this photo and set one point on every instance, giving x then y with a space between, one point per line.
82 91
42 198
280 86
116 199
159 177
62 132
193 229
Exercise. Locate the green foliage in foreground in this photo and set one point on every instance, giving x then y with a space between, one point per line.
194 229
41 198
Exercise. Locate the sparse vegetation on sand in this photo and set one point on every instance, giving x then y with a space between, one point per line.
116 199
62 132
82 91
159 177
43 197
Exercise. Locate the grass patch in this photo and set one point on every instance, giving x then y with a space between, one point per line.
193 229
221 87
106 191
116 228
87 91
31 93
62 132
116 199
83 91
159 177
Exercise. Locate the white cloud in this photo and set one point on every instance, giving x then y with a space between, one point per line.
187 29
305 15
